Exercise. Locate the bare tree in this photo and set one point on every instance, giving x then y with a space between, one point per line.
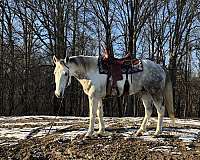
102 9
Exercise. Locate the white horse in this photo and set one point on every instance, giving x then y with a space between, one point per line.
152 82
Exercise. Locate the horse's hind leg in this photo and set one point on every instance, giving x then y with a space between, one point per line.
147 99
158 99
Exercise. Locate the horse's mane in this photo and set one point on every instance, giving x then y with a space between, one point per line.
84 62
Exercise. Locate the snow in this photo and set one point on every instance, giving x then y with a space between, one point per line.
183 121
14 124
162 148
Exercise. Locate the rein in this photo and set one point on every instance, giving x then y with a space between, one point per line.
61 101
53 121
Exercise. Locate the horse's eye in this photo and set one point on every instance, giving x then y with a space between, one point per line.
65 73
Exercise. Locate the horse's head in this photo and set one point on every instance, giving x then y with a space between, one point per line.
62 76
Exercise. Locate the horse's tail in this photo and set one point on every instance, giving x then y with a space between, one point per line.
168 97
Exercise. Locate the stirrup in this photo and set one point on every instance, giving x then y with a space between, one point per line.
114 92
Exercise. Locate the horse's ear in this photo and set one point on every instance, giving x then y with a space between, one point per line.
55 59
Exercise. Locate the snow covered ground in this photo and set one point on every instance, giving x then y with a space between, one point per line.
183 139
13 129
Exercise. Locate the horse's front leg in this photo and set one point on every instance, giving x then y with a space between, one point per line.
93 102
100 117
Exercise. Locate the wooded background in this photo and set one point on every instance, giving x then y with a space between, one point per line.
32 31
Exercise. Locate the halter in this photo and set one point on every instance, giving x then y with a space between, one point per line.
67 77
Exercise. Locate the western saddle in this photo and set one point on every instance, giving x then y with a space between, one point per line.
116 67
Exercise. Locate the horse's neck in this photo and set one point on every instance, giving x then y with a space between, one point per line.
86 74
84 68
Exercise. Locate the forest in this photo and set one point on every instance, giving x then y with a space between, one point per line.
32 31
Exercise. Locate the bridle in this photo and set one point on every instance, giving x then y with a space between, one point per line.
67 77
67 72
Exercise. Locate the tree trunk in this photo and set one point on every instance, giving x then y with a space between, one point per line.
1 62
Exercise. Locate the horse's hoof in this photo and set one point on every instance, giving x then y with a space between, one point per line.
156 134
103 134
98 134
107 134
140 132
87 136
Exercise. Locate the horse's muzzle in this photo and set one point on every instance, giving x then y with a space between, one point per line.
58 95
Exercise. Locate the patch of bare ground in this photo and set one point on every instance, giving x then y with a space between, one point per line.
113 148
